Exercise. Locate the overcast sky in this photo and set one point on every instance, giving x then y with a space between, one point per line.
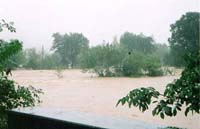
98 20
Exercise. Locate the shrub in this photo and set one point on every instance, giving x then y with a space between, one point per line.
114 60
152 66
102 60
13 96
132 65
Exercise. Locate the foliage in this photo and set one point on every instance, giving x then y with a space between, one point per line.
184 37
161 52
33 59
115 60
137 64
183 91
102 59
69 47
8 49
12 95
133 64
50 61
169 59
152 66
140 98
139 43
59 72
15 61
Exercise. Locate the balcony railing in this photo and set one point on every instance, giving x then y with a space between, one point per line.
38 118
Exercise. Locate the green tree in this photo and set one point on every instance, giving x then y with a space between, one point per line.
183 91
15 61
133 64
115 60
51 61
33 59
152 66
139 43
102 59
12 95
69 47
184 37
162 51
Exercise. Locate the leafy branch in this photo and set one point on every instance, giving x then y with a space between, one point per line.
185 90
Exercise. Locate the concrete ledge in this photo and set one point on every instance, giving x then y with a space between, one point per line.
40 118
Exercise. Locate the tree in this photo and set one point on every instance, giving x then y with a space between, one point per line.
17 60
184 37
69 47
133 64
140 43
8 49
51 61
102 59
115 60
183 91
12 95
152 66
162 51
33 59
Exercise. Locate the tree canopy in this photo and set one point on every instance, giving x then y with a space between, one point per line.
69 46
184 37
140 43
116 60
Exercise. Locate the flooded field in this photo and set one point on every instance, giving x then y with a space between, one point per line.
77 91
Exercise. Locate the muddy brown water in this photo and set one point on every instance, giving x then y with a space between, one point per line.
84 92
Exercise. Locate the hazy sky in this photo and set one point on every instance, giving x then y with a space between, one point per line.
98 20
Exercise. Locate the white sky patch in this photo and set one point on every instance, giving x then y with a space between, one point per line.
98 20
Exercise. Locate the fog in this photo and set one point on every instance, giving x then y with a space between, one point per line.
98 20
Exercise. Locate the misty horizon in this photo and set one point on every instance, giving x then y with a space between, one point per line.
36 21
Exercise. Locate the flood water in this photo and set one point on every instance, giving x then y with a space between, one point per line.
77 91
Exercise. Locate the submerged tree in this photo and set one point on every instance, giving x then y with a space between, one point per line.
69 46
139 43
183 91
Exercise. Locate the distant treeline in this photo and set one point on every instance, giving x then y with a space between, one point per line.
131 55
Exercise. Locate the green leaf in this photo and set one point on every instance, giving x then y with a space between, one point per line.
168 111
154 111
123 101
174 112
118 102
162 115
178 108
186 111
154 101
